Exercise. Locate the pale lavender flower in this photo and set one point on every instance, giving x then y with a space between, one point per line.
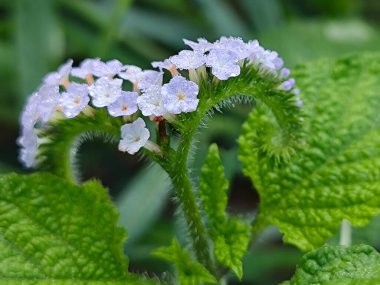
29 146
180 95
48 102
201 46
150 78
125 105
74 100
142 79
285 72
223 63
165 64
299 102
255 52
105 91
133 136
29 115
271 62
28 156
60 76
235 45
131 73
287 85
150 102
188 59
107 69
86 68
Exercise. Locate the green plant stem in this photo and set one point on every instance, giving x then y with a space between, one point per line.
345 233
175 161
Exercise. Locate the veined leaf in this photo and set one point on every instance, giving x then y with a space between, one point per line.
189 271
231 244
230 235
52 231
336 174
359 264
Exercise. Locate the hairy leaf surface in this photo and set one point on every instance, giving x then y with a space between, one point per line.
54 232
230 235
336 172
189 271
359 264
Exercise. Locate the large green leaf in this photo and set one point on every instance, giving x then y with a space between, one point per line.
52 231
189 271
359 264
336 173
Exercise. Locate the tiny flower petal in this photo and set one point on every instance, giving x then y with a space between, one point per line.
299 102
107 69
224 63
236 45
255 52
60 76
74 100
105 91
29 115
188 59
150 102
131 73
166 64
150 78
285 72
201 46
125 105
86 68
180 95
49 101
133 136
29 146
287 85
28 156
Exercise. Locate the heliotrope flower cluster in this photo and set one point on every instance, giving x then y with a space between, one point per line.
70 91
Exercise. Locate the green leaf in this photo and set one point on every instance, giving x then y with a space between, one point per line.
230 235
231 243
213 187
359 264
52 231
336 173
189 271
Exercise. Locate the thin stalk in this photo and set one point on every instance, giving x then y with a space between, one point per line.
345 233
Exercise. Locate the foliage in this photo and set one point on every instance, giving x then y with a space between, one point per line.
189 271
306 181
335 175
52 231
339 265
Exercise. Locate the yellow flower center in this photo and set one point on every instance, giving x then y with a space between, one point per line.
181 96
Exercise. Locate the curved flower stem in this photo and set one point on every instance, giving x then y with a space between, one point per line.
175 164
175 161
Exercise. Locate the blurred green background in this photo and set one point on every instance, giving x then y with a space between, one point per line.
38 35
